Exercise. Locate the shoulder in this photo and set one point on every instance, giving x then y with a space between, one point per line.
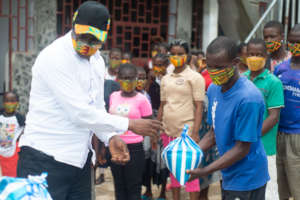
249 93
115 94
141 97
274 79
282 67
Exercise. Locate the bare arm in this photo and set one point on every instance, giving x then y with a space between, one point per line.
197 120
271 120
238 152
208 140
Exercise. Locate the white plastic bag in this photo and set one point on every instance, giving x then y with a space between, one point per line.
32 188
182 154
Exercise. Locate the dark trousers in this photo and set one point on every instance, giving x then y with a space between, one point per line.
65 182
257 194
128 178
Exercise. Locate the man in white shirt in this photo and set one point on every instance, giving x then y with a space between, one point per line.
66 107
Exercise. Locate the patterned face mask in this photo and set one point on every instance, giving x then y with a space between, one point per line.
220 77
114 63
273 46
124 61
153 53
140 85
159 70
127 85
178 61
10 107
85 49
294 49
256 63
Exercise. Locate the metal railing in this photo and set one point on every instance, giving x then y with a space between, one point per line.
261 20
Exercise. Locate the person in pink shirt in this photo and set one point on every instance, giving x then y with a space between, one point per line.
134 105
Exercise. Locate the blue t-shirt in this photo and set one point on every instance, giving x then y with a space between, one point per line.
290 114
237 115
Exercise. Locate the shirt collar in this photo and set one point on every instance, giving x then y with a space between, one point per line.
185 71
262 75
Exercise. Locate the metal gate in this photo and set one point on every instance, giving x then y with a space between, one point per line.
19 24
134 22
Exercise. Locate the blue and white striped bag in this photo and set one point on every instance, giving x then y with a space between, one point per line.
182 154
32 188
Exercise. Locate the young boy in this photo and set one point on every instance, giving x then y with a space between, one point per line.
11 127
274 36
115 56
272 90
288 140
235 111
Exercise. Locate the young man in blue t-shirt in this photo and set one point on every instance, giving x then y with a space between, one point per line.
288 140
236 109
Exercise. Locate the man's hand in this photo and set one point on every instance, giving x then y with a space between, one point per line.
196 173
195 137
118 150
146 127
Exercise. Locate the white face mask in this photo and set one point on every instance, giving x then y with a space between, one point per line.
157 80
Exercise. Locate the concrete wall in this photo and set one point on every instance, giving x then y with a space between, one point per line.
184 20
210 22
45 33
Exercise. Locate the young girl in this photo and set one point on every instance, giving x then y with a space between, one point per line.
182 96
11 126
155 168
134 105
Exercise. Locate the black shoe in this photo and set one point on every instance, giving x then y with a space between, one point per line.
100 179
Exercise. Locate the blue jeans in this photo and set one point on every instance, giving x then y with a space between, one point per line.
65 182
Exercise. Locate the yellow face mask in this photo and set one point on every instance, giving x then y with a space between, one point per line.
159 70
178 61
154 53
124 61
84 49
114 63
10 107
140 85
255 63
127 85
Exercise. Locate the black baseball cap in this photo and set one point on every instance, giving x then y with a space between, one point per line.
93 14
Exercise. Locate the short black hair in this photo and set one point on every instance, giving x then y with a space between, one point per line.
127 67
258 41
180 42
164 45
296 28
222 43
140 69
196 52
240 47
11 92
164 57
115 50
274 24
128 53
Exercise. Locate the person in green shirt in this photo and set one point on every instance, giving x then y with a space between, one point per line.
272 90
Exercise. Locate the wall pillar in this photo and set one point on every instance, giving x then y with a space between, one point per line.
184 20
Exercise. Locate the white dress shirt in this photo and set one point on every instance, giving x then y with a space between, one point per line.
66 104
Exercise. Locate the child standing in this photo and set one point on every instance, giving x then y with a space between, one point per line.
272 91
11 127
134 105
182 96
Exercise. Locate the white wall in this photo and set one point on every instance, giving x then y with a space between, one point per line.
210 22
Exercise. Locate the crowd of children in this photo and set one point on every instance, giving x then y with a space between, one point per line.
172 87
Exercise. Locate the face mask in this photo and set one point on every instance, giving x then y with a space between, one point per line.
127 85
10 107
243 60
124 61
220 77
256 63
294 49
140 85
114 63
85 49
153 53
273 46
159 70
178 61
